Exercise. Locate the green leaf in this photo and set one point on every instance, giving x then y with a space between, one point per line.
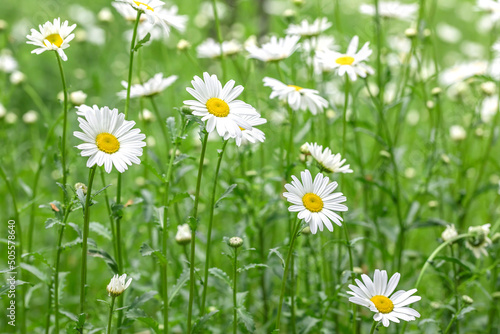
246 318
464 311
178 197
219 273
99 253
181 157
36 272
101 230
171 128
278 254
454 260
100 191
178 285
226 193
200 324
252 266
143 41
70 315
146 250
139 301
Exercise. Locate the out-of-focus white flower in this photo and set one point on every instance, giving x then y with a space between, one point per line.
252 135
489 107
457 133
3 111
331 163
153 86
211 49
448 33
30 117
147 116
479 240
118 284
105 15
17 77
391 9
305 29
490 6
183 235
52 36
449 233
183 45
488 87
10 118
78 97
463 71
8 64
275 50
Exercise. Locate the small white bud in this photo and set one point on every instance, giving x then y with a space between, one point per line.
183 45
17 77
30 117
449 233
235 242
183 236
78 97
457 133
105 15
411 32
488 87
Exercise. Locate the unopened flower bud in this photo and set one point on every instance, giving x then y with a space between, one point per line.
304 149
306 230
411 32
298 3
436 91
30 117
235 242
183 236
468 300
3 25
105 15
457 133
78 97
183 45
488 87
17 77
81 186
449 233
430 104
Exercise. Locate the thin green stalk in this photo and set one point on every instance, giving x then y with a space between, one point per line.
118 242
374 325
209 232
131 62
57 262
285 273
162 125
235 278
219 36
110 318
110 213
65 122
193 230
86 222
455 317
455 289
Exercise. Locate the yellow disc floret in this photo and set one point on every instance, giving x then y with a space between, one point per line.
297 88
346 60
107 143
55 39
382 303
312 202
145 4
217 107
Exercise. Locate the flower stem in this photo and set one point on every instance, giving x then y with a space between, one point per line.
209 233
374 325
65 122
131 61
86 222
193 230
285 273
235 277
219 36
110 318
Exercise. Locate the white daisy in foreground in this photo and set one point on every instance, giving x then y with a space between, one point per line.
52 37
218 106
252 135
211 49
351 62
479 240
153 86
156 13
118 284
332 163
296 97
378 296
109 138
275 50
315 201
391 9
305 29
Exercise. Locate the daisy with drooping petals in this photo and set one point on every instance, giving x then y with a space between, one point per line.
109 138
391 9
211 48
275 50
218 106
153 86
296 97
305 29
351 62
118 284
315 201
332 163
378 296
252 135
479 240
52 37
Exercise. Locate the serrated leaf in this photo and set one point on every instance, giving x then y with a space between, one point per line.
51 222
99 253
139 301
246 318
143 41
178 285
36 272
178 197
278 254
100 191
219 273
200 324
252 266
464 311
146 250
171 127
226 193
70 315
76 228
181 157
101 230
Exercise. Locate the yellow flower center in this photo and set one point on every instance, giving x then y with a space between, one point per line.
217 107
312 202
147 6
346 60
107 143
297 88
55 39
383 304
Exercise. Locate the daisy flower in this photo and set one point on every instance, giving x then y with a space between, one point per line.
391 9
109 138
315 201
305 29
153 86
378 296
329 162
8 64
489 107
479 240
118 284
52 37
449 233
490 6
211 48
275 50
218 106
463 71
253 135
298 98
351 62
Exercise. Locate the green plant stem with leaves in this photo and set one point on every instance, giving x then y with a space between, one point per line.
235 290
295 233
219 37
86 222
65 125
194 223
110 317
209 232
374 325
